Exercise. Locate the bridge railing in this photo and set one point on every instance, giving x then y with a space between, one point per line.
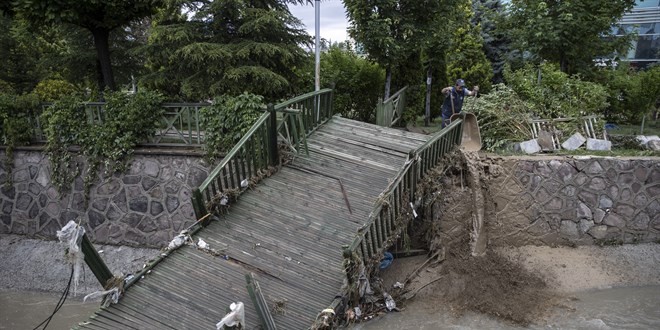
394 208
178 126
389 112
256 155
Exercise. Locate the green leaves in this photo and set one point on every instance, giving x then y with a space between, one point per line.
227 120
567 32
107 143
556 94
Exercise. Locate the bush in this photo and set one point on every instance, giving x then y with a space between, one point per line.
556 95
108 144
503 117
227 120
16 124
631 94
51 90
357 82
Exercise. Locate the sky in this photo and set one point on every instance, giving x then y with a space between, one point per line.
333 19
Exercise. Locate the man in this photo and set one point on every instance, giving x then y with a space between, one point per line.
454 99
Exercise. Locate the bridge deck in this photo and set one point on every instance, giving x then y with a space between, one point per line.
288 231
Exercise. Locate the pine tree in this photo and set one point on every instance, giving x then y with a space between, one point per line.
225 47
488 14
466 58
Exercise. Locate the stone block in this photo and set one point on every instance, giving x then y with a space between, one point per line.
614 220
569 228
597 144
583 211
545 141
598 232
585 225
640 222
598 215
653 145
605 202
530 146
575 141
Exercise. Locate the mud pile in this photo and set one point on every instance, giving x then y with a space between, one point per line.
461 271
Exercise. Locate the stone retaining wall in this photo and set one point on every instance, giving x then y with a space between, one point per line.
146 206
578 200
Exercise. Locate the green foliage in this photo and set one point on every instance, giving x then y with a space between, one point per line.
467 59
16 112
225 47
631 94
127 120
5 87
554 94
489 15
503 117
98 17
567 32
51 90
355 80
228 120
391 31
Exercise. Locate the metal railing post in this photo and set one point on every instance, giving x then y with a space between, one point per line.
272 136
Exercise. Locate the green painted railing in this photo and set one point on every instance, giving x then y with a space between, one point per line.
394 208
301 115
178 126
389 112
257 153
254 154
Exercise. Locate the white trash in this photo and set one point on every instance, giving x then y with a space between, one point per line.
233 318
71 235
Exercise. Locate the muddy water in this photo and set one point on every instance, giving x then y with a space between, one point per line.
25 310
618 308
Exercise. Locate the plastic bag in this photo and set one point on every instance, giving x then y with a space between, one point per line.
233 318
71 235
179 240
109 296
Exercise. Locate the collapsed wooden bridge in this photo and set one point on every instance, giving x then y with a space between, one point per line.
303 195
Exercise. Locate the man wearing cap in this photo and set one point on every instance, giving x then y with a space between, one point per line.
454 99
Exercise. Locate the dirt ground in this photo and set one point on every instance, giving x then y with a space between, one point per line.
518 285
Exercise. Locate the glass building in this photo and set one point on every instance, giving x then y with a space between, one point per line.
645 20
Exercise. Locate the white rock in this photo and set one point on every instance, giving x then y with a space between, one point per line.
575 141
597 144
530 147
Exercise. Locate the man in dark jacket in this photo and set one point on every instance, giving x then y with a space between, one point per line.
454 99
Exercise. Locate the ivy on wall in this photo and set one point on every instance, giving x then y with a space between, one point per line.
105 144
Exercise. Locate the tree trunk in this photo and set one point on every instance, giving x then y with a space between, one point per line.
563 63
388 81
101 36
427 110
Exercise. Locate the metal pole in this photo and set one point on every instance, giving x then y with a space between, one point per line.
317 75
317 28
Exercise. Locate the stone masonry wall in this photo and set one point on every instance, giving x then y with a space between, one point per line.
578 200
146 206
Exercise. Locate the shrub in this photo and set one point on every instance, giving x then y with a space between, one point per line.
51 90
227 120
357 83
551 93
503 117
16 124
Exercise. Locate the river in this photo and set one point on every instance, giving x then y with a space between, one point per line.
618 308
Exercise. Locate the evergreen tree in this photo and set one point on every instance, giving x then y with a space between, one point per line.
466 59
488 15
225 47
